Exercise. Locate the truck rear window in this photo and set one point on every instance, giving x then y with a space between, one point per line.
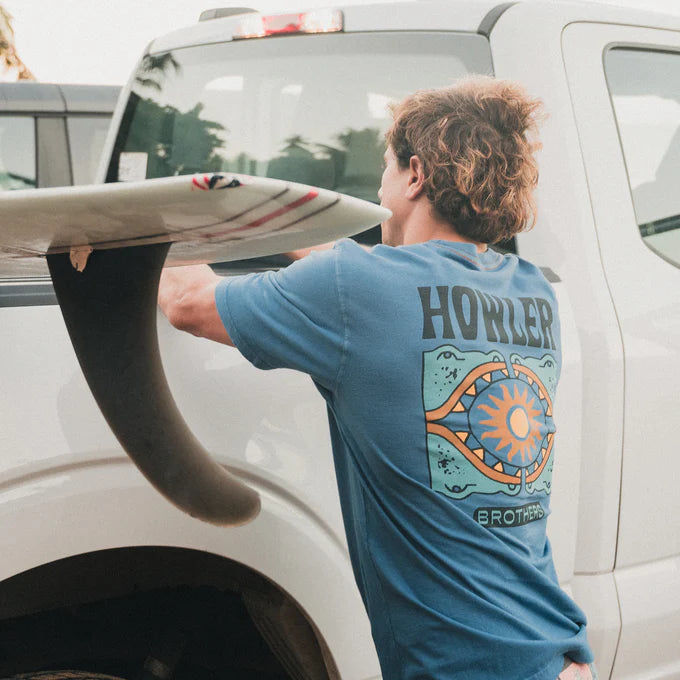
310 109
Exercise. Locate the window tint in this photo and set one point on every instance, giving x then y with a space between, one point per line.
17 152
645 91
309 109
86 135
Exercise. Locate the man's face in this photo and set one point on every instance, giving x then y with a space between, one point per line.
392 195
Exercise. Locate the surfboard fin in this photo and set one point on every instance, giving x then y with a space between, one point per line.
110 313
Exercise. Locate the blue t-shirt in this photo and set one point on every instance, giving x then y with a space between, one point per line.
439 366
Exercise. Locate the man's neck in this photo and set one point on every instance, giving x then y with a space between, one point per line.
423 226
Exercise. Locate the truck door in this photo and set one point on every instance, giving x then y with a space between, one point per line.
625 90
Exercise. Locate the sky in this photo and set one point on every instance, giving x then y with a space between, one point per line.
99 42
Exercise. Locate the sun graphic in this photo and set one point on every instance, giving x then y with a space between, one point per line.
513 422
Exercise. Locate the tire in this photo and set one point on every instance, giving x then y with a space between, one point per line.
62 675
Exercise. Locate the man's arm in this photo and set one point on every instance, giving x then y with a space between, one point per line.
186 295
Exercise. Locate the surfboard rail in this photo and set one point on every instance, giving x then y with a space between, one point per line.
208 217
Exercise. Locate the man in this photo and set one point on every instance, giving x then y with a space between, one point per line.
438 359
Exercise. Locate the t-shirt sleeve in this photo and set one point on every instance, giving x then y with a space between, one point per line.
292 318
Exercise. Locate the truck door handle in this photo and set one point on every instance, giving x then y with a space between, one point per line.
110 313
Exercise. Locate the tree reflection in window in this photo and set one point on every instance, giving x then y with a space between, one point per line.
352 167
176 143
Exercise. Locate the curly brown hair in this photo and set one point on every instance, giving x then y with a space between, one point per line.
476 141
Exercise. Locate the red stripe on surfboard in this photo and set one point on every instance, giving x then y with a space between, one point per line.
267 218
196 183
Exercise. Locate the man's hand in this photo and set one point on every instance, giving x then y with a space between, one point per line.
186 295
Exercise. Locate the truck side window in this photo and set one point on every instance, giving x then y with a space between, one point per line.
645 89
17 152
86 136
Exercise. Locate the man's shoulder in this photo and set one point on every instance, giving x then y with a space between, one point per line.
362 266
534 274
354 257
350 251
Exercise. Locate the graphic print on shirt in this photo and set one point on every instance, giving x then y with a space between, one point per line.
489 422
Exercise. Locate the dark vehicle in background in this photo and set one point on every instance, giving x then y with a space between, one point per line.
52 135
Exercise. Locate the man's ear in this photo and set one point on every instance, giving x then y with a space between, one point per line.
416 178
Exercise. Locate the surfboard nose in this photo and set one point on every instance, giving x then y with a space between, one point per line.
110 312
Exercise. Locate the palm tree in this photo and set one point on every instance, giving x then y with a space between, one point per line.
9 59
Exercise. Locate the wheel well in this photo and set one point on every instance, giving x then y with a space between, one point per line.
122 610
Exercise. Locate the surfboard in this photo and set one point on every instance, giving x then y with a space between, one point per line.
208 218
105 247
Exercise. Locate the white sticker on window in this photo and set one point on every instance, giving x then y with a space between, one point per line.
132 166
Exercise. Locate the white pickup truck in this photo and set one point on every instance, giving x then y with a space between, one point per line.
99 572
